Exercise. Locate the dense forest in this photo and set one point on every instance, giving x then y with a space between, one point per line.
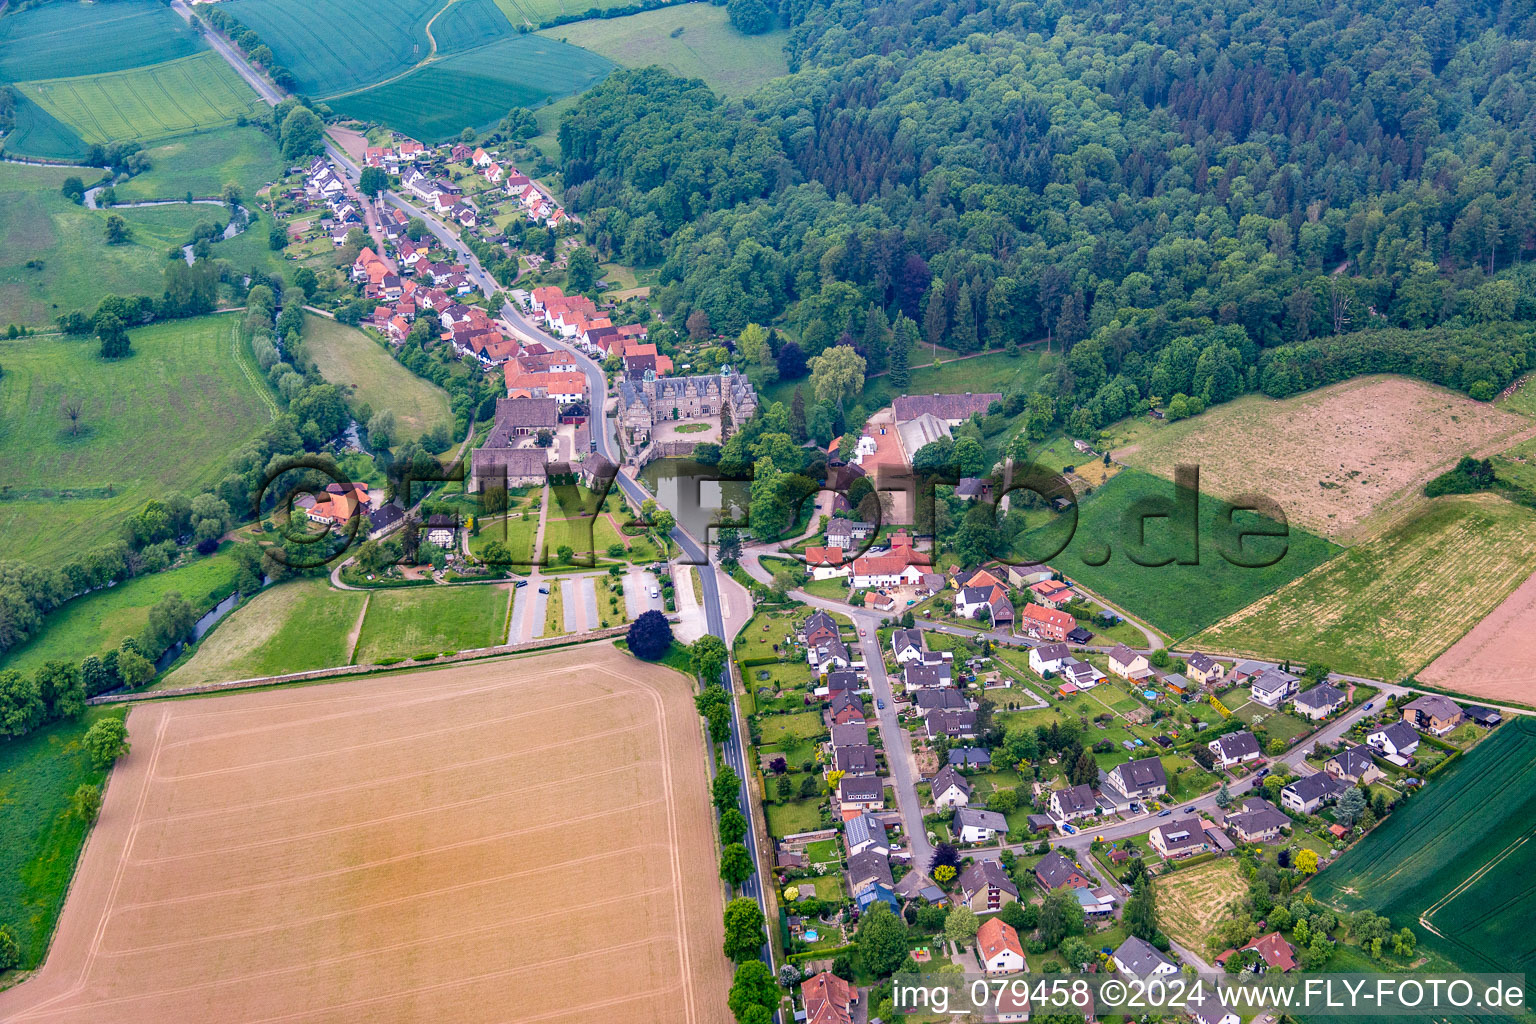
1187 200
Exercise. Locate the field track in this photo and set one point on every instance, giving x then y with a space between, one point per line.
525 839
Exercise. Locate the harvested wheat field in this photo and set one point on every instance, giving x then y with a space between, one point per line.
526 839
1191 901
1494 660
1335 457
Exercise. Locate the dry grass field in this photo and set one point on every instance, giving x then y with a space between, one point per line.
1342 461
1494 660
523 840
1386 608
1190 902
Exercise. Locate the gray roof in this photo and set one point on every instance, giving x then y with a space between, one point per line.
1433 704
945 407
1355 761
866 828
986 873
1140 957
1313 787
855 758
860 787
1075 798
820 620
1183 832
1323 695
1237 744
845 699
1400 734
949 777
967 757
976 817
1258 816
1272 680
841 679
524 413
918 675
903 638
1123 654
852 734
952 723
870 867
1201 662
1143 773
940 697
1055 869
488 463
1053 652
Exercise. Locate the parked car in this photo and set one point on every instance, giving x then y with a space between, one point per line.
879 704
519 583
1190 809
655 593
544 589
1164 814
1368 705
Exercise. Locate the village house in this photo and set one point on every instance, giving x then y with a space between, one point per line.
1140 779
1308 793
1073 802
1052 593
1235 748
1080 675
1319 702
1272 687
989 602
1433 714
341 503
1049 657
906 644
954 724
1138 958
828 999
950 788
1258 821
998 947
503 460
1276 953
826 563
1182 837
1396 740
926 675
986 888
1204 669
866 833
975 825
844 709
860 793
1046 623
843 533
1355 765
1056 870
1128 664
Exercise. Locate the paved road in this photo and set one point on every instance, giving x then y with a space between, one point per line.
265 89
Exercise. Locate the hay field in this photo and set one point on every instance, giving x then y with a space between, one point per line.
1192 901
1339 459
1457 860
347 357
693 40
521 840
1386 608
292 627
149 103
425 621
1494 659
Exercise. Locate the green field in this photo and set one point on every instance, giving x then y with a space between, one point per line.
150 103
39 843
97 622
1387 607
337 46
428 620
1177 599
982 374
295 626
76 37
40 134
167 418
72 266
1455 862
476 88
709 48
368 374
204 163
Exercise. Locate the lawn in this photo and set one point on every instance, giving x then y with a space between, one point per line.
146 104
981 374
1278 724
203 165
422 621
98 622
515 533
298 625
796 816
1178 599
1387 607
87 37
53 254
1455 858
786 729
167 418
1191 902
39 843
691 40
476 88
369 375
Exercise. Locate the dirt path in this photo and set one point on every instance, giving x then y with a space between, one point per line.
357 629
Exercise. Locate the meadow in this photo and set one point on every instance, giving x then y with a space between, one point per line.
54 257
1387 607
994 372
1191 902
369 375
76 37
39 134
693 40
1455 859
1177 599
476 88
166 418
149 103
39 841
419 621
294 626
204 163
98 622
534 13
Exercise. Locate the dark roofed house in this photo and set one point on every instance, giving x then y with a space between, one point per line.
1139 779
1259 820
869 868
385 515
1308 793
1235 748
939 698
511 467
985 887
855 760
1073 802
840 681
1320 701
852 734
1433 714
1356 764
957 725
950 789
866 833
861 792
1055 870
1486 718
969 757
953 409
1179 837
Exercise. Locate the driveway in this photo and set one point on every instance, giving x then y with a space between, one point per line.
691 623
